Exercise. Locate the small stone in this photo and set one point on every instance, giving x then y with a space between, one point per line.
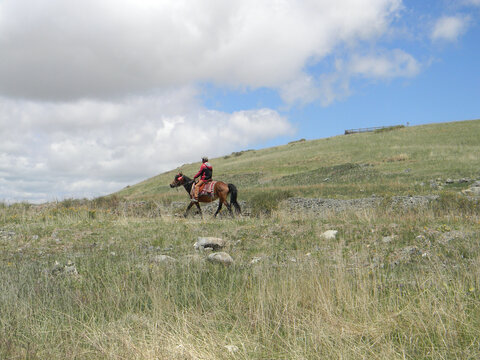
232 349
256 259
329 234
449 181
57 268
220 258
70 268
209 242
388 239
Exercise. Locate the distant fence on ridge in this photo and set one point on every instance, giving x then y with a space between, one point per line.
370 129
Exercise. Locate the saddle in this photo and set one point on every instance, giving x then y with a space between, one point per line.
205 189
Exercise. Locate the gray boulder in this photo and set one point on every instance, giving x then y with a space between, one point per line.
220 258
209 242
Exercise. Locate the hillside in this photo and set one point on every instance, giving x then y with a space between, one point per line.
401 162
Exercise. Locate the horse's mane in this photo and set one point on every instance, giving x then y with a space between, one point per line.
186 178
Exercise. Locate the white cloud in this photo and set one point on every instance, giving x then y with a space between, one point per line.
302 90
449 28
88 148
330 87
392 64
57 49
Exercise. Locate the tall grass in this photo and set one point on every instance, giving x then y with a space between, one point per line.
303 297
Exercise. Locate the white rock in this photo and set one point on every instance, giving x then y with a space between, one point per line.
256 259
232 349
70 268
209 242
329 234
220 258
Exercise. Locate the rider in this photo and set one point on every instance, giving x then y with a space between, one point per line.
206 172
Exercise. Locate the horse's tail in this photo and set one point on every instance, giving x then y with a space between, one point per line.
232 189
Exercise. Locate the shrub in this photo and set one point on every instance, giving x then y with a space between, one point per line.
106 202
457 203
266 202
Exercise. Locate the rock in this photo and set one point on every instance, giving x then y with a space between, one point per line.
329 234
256 259
159 259
209 242
70 268
232 349
388 239
220 258
449 181
473 190
57 268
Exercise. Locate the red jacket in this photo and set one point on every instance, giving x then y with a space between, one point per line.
206 171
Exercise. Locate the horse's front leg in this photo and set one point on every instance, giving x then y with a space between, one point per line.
188 208
199 209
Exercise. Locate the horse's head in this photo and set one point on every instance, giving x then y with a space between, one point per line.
177 181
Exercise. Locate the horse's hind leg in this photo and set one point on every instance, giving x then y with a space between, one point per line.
219 208
229 207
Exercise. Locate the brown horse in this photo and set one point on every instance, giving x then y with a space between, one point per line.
220 191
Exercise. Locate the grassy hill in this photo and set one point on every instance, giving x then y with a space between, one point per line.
401 161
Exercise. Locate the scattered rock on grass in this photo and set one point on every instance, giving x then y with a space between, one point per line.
68 269
473 190
232 349
220 258
256 259
209 242
329 234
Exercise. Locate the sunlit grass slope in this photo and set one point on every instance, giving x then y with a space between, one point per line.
401 161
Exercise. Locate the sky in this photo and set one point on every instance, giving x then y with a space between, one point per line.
98 95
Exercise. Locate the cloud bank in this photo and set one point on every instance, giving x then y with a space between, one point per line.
90 147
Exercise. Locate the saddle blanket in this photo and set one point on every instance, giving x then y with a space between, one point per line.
207 189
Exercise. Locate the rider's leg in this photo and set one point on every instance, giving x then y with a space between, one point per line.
197 189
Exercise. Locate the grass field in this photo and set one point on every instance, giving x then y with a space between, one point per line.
80 280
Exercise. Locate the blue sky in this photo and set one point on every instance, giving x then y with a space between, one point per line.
447 88
96 96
